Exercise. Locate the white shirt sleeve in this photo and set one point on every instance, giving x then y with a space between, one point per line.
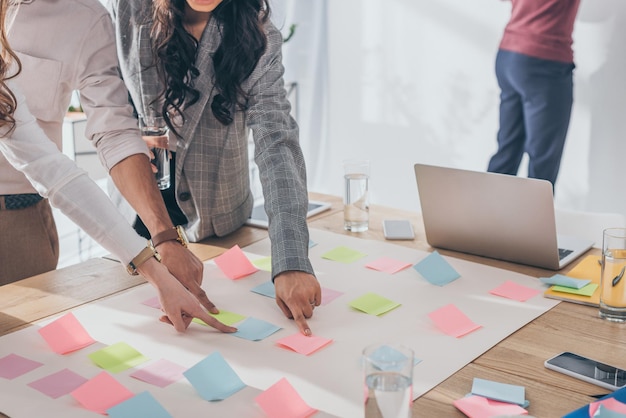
68 187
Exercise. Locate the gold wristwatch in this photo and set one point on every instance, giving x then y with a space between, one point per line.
172 234
141 258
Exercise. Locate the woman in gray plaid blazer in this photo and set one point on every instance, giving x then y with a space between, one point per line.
215 70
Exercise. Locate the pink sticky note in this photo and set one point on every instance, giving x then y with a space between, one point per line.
328 295
58 384
160 373
153 302
479 407
452 321
66 334
609 403
303 344
234 263
514 291
101 393
13 366
282 401
387 265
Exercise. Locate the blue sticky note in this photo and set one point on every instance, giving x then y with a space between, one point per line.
436 270
265 289
502 392
255 329
312 243
140 405
561 280
213 378
387 358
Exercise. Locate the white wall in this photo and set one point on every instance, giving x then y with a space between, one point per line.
406 81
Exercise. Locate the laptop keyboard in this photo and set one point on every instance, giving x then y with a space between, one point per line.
564 253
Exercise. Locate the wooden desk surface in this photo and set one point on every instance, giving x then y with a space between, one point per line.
518 359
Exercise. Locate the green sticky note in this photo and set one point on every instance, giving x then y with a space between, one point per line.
225 317
117 357
263 263
343 255
373 304
583 291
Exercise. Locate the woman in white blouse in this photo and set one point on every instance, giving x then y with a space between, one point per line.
69 188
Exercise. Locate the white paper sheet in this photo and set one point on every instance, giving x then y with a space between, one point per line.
330 379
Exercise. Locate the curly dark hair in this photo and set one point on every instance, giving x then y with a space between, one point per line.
243 43
10 67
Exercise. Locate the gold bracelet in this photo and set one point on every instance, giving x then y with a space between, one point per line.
141 258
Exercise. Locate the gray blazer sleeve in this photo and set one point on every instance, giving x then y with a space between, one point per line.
280 160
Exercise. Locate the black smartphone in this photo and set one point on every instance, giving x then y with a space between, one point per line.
592 371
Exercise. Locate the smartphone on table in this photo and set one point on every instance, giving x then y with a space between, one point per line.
398 229
592 371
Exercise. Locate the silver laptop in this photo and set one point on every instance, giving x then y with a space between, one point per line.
494 215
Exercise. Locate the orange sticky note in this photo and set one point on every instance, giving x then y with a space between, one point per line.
234 263
452 321
66 334
302 344
514 291
282 401
101 393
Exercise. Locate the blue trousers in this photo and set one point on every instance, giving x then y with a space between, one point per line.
535 107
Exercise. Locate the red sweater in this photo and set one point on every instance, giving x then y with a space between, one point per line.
541 29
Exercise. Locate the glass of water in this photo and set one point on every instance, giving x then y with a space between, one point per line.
612 280
154 131
388 380
356 203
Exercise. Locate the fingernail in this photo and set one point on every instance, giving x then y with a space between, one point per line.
307 332
214 311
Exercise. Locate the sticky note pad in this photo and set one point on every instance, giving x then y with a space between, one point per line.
497 391
343 255
234 263
265 289
479 407
436 270
213 378
140 405
387 265
565 281
101 393
58 384
282 401
603 408
512 290
254 329
452 321
117 357
373 304
160 373
587 290
302 344
225 317
13 366
66 334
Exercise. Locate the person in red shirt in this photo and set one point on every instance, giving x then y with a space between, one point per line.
534 68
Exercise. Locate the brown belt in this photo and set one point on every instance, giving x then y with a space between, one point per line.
18 201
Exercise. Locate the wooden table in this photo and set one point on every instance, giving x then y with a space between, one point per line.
518 359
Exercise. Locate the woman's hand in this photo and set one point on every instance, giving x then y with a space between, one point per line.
179 305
